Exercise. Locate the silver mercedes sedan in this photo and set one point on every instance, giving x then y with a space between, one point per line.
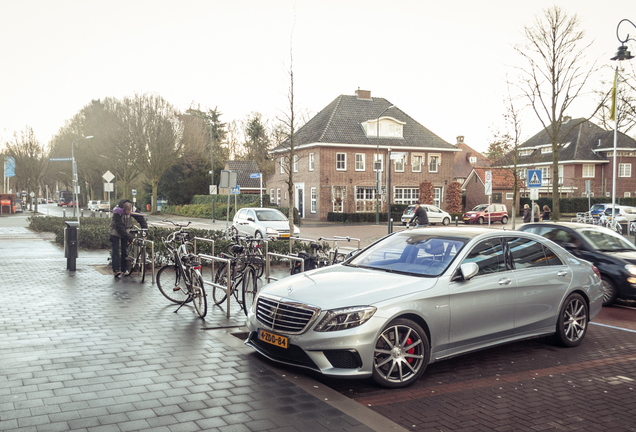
424 295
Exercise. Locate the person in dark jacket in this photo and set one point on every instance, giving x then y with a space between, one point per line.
527 213
420 218
546 213
120 237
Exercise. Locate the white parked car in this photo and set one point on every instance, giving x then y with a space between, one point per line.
262 222
435 215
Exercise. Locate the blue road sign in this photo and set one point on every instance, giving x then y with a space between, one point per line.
236 190
58 159
534 178
255 175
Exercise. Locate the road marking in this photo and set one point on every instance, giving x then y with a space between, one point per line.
613 327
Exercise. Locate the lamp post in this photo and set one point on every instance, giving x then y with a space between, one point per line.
75 206
621 54
377 168
211 156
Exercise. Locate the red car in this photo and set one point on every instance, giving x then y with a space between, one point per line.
479 215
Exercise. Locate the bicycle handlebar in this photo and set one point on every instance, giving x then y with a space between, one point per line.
177 224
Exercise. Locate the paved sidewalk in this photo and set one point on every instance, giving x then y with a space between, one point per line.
82 351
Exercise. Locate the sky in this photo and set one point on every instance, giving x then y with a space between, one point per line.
445 64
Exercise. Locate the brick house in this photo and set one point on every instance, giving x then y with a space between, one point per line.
502 188
335 151
467 159
244 169
586 153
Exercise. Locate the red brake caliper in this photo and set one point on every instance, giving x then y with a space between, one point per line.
411 351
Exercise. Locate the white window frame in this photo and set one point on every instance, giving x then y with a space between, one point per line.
377 157
525 152
295 163
271 195
314 200
360 162
546 149
311 161
472 159
282 165
399 165
364 198
405 195
341 162
438 158
438 196
415 166
509 195
560 172
586 170
278 197
624 169
627 195
523 173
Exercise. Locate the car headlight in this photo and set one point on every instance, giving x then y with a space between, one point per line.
341 319
631 269
272 231
473 215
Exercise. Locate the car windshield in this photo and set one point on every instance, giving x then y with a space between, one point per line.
597 207
270 215
606 241
481 207
410 253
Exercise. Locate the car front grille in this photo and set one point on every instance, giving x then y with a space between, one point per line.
293 355
285 316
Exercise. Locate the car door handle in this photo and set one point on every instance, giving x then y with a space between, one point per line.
562 273
504 281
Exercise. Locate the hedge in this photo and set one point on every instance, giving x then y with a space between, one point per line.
576 205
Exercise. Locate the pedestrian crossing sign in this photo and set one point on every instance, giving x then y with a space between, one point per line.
534 178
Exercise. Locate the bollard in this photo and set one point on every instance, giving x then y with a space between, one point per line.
71 244
455 220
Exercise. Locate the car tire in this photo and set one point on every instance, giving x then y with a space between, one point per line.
258 235
400 363
504 220
610 293
573 320
480 221
446 221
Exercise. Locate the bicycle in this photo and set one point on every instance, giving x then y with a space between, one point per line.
137 258
182 282
312 261
242 274
252 252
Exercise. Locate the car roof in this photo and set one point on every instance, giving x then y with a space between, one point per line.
571 225
457 232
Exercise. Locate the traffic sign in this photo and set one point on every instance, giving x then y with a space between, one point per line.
108 176
236 190
60 159
134 191
255 175
488 183
534 178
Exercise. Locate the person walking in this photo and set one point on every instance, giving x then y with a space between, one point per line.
419 216
537 212
120 237
546 213
527 213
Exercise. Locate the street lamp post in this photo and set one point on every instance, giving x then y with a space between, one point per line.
621 54
75 206
377 168
211 156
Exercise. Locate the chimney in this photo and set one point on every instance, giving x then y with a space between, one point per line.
460 139
363 94
566 119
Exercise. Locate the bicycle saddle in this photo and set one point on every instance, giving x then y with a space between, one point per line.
237 249
316 246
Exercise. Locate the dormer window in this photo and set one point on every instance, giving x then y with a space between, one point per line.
472 159
389 128
546 149
525 152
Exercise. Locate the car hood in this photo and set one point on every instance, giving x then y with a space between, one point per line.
624 255
471 213
342 286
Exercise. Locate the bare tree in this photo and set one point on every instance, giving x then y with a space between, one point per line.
556 75
626 101
31 161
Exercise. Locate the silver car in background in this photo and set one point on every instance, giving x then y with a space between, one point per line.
424 295
262 222
435 215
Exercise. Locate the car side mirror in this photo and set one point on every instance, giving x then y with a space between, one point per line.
251 219
469 270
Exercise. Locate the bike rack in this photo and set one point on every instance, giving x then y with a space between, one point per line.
208 241
223 287
335 239
152 255
269 254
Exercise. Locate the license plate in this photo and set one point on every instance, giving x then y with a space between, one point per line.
279 341
284 236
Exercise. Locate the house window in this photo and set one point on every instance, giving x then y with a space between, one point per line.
278 197
546 149
627 194
389 128
313 200
472 159
523 173
282 165
365 198
588 170
311 161
359 161
526 152
377 163
509 196
399 165
295 163
433 163
338 197
406 195
625 170
437 196
545 176
341 161
271 196
560 171
416 162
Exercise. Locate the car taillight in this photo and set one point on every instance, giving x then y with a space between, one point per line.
404 212
596 271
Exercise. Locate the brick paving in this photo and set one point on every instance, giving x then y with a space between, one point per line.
82 351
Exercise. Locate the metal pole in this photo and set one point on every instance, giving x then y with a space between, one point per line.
212 165
260 176
388 192
615 139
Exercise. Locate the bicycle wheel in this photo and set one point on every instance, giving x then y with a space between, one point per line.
131 259
171 284
219 295
200 301
250 288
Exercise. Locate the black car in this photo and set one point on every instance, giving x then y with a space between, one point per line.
611 253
